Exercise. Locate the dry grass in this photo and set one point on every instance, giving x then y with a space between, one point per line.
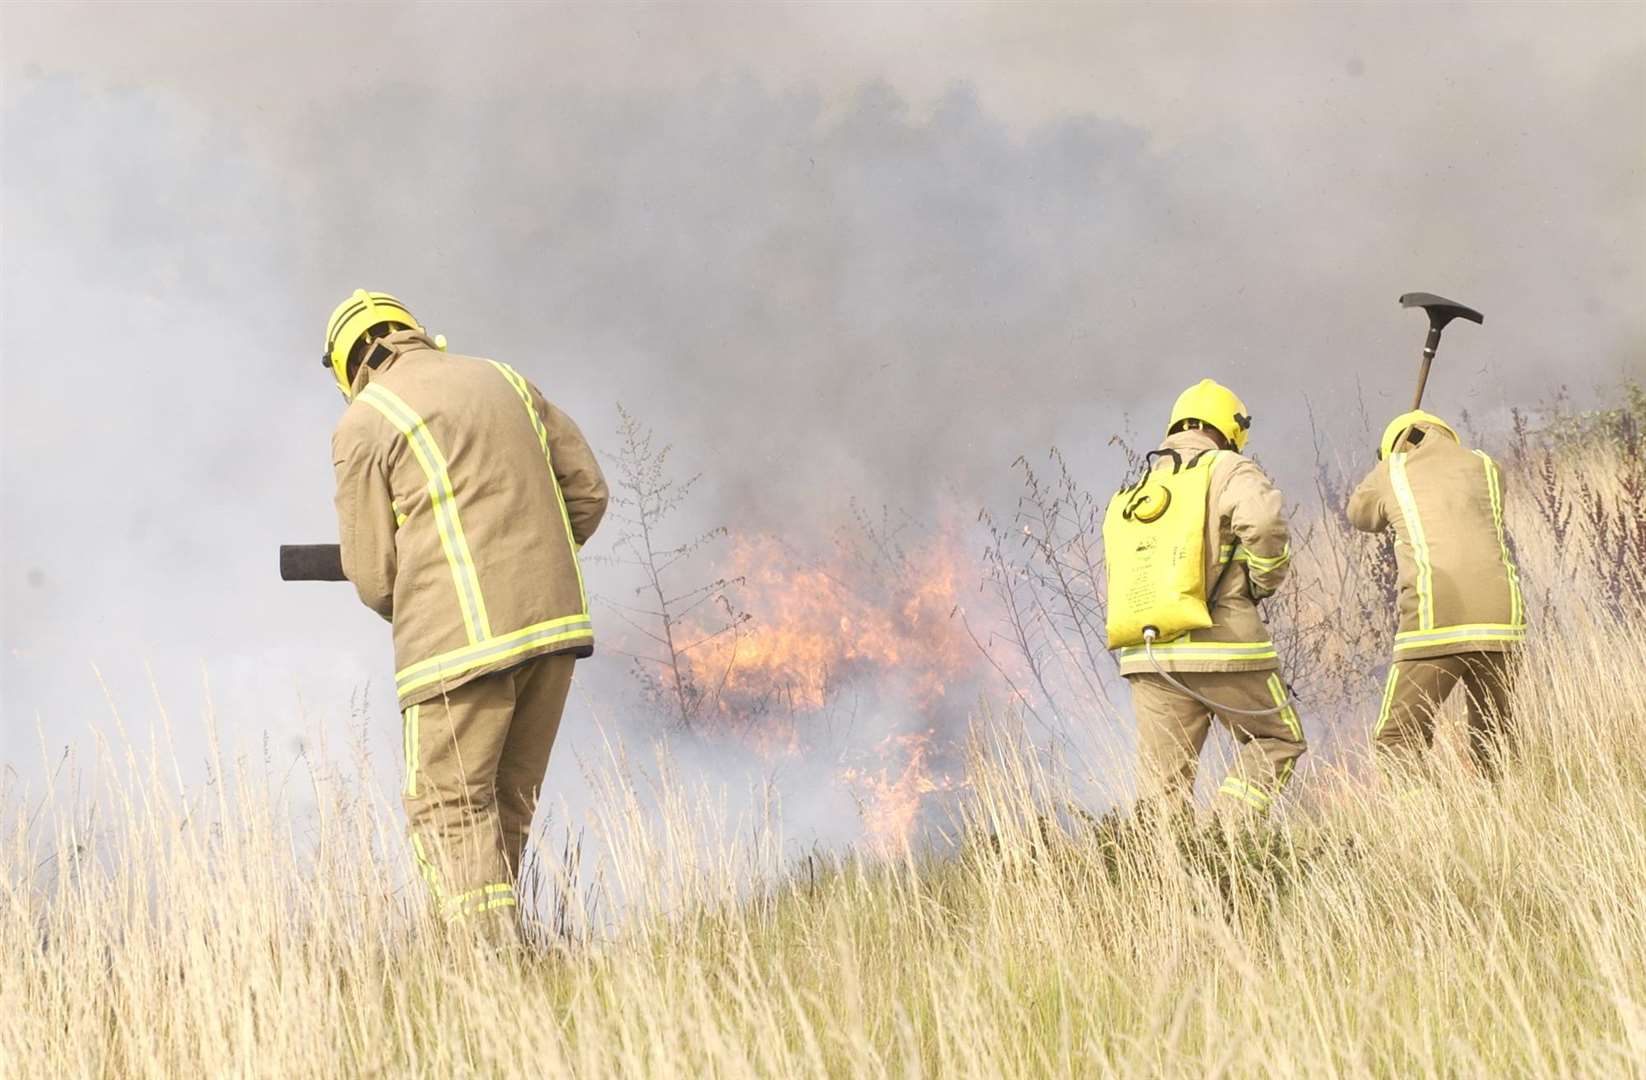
1442 927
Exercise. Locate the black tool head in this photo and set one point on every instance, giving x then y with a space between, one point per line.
1441 310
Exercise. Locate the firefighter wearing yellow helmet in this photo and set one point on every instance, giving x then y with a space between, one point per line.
1462 616
1191 549
463 498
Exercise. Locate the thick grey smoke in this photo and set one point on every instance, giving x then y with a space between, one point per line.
830 253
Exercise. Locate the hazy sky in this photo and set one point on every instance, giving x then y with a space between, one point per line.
830 251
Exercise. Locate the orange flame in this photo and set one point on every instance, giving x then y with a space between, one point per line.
817 627
891 808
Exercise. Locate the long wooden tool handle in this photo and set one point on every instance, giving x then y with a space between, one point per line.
1429 347
311 562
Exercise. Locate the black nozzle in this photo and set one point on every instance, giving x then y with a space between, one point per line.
311 562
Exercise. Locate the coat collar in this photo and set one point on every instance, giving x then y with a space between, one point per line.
1189 442
398 344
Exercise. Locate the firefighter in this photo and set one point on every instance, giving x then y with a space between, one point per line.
1229 669
463 498
1462 616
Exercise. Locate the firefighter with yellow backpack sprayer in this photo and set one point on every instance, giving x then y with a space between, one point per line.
1190 549
1462 616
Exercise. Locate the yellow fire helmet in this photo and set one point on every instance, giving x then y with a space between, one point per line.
1398 426
1216 406
350 321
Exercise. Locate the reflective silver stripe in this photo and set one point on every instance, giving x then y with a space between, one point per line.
1234 650
1419 543
457 662
444 500
1416 639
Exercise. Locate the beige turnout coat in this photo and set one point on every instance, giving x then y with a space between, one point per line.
1459 588
462 499
1248 551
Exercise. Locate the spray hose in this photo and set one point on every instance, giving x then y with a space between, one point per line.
1149 635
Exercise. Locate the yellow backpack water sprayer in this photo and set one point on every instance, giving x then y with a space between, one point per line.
1154 537
1154 549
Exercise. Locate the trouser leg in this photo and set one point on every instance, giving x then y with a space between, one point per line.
541 686
1171 729
1412 696
454 743
1488 681
1270 742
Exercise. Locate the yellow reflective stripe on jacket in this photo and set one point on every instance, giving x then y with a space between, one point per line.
444 501
451 665
1454 635
1517 610
409 738
525 393
1203 650
1256 562
1263 565
1420 546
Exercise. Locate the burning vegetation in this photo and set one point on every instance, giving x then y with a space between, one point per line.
858 658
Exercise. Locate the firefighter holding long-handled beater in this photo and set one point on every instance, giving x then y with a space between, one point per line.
1462 616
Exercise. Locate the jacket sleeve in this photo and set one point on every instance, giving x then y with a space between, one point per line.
582 484
1257 516
365 518
1366 506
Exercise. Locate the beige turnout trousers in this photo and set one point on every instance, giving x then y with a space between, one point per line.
1416 689
475 759
1172 727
